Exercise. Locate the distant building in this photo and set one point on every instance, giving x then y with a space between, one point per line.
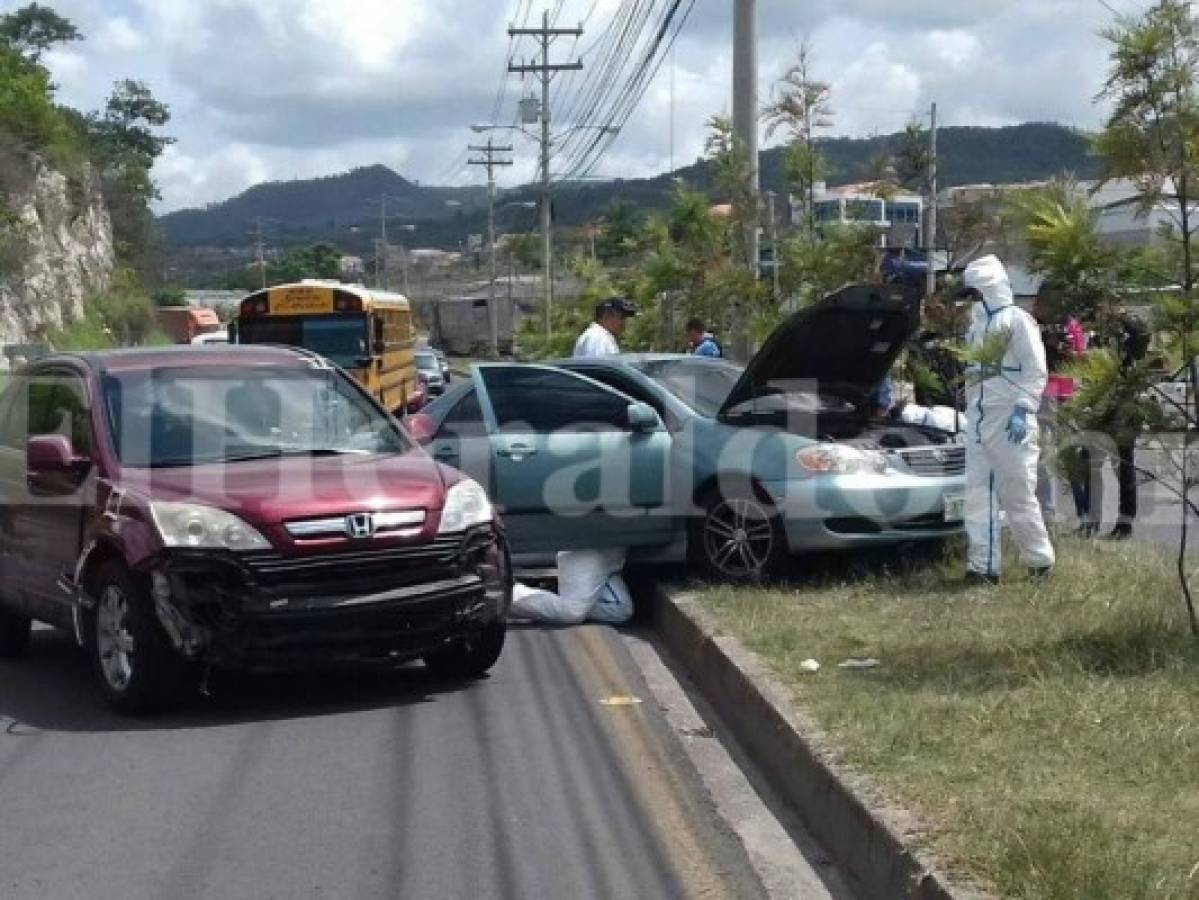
212 298
898 216
460 323
351 268
1122 221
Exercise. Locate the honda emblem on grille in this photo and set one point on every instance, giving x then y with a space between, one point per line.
360 525
939 455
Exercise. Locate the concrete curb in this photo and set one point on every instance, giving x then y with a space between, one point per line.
755 706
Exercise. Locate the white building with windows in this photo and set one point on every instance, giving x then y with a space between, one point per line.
1123 222
897 215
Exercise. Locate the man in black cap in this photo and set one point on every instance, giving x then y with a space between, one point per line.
599 338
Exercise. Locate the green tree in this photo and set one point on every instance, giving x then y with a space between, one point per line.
33 29
1151 141
1060 231
125 129
912 157
316 261
27 110
125 146
731 174
803 108
525 250
816 265
620 227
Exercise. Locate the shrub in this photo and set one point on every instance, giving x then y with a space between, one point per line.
123 316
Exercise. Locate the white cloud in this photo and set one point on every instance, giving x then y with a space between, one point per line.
285 88
119 36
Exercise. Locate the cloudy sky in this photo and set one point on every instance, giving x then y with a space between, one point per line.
277 89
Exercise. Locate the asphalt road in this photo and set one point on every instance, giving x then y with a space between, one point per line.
522 785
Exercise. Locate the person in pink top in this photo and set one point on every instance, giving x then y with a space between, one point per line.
1062 345
1075 335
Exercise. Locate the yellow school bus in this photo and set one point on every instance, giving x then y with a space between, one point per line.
368 333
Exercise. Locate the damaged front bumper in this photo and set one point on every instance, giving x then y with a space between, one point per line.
272 611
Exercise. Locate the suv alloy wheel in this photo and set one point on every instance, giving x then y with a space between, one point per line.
139 670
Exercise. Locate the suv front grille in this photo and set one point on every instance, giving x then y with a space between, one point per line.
935 461
329 576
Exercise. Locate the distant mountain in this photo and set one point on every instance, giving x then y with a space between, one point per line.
336 207
294 211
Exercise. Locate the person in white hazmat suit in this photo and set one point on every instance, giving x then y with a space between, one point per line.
1002 399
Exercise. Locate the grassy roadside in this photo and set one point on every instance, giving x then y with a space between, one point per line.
1048 736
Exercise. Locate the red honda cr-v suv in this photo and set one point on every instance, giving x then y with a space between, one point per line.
241 508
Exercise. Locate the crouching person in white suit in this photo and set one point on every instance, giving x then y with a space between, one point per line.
590 589
1001 427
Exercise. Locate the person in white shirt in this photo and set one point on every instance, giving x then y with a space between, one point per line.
599 338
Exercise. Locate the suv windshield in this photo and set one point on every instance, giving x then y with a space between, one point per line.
703 384
185 417
427 362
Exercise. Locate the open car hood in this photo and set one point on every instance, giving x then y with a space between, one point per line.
840 347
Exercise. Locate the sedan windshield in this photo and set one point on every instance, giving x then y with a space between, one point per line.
185 417
703 384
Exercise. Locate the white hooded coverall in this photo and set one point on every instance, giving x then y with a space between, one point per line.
1000 474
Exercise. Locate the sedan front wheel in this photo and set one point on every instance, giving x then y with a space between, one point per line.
738 538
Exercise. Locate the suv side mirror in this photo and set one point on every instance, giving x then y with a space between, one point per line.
51 467
643 417
420 426
51 454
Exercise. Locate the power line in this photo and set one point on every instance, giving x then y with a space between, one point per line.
616 85
603 69
502 90
670 25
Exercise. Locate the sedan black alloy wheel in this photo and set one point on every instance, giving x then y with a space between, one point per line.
739 537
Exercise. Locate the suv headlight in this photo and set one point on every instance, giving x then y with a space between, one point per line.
466 504
201 527
839 459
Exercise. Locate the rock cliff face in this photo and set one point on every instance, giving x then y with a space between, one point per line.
56 250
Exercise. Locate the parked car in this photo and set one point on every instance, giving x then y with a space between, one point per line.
429 374
741 465
245 508
1176 399
210 338
444 362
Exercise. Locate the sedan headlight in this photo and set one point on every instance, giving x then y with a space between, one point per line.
466 504
199 527
839 459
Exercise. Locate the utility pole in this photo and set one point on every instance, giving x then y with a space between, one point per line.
774 245
930 286
490 161
545 72
745 125
258 240
381 254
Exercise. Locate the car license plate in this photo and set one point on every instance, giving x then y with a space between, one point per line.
955 507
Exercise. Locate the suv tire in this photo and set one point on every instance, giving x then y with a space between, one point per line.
138 669
14 633
471 658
